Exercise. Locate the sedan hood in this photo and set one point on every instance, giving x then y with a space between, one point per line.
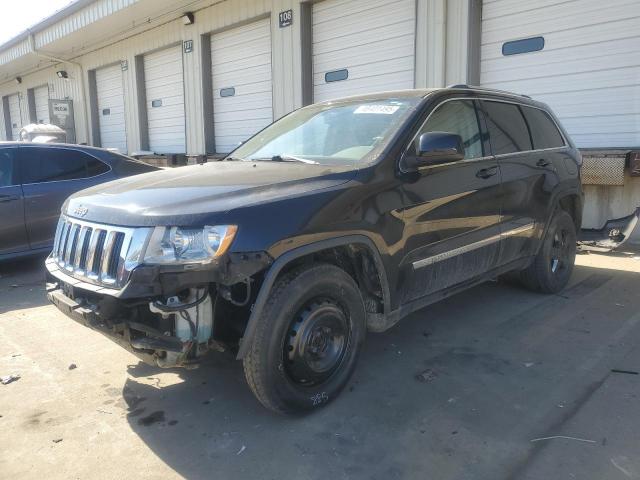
186 195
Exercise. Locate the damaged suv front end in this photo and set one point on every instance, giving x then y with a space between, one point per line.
153 290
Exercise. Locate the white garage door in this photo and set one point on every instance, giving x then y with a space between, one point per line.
241 79
41 100
164 86
588 70
362 46
16 116
111 117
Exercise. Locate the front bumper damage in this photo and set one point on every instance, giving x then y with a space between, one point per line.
86 315
612 235
177 335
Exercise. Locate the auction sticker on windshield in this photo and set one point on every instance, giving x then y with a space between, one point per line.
380 109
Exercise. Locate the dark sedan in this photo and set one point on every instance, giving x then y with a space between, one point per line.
35 179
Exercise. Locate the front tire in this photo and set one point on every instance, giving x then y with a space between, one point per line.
552 267
307 340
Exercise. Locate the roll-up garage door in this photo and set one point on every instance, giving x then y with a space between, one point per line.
41 100
164 86
362 46
111 119
580 57
242 85
15 115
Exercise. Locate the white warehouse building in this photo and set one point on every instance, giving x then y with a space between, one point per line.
198 77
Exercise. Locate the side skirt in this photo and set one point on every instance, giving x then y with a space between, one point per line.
420 303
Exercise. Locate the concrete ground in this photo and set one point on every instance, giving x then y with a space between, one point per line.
469 388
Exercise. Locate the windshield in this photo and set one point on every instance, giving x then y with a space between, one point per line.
337 133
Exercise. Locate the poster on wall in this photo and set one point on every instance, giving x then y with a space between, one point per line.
61 114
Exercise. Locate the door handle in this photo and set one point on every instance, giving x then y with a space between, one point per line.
487 172
8 198
543 162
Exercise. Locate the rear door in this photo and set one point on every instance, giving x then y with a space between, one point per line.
13 235
50 175
528 178
452 211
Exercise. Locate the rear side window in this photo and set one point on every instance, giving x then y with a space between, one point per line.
95 167
544 132
56 164
8 172
507 129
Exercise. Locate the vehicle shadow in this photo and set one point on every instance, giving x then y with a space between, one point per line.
22 284
450 392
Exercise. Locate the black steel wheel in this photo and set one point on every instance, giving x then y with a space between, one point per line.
318 338
307 342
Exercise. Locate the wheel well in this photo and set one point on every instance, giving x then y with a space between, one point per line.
571 205
358 261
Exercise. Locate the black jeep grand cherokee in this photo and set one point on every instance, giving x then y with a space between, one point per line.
341 217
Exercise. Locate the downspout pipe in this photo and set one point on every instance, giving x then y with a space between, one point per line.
83 94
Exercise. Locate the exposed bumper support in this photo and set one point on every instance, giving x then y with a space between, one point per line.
86 316
614 233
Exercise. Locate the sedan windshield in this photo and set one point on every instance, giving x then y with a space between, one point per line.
336 133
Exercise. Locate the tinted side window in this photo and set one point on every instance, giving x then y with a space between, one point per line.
457 117
8 172
507 128
52 164
544 132
95 167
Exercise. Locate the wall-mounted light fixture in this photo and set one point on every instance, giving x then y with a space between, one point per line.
18 80
62 74
188 18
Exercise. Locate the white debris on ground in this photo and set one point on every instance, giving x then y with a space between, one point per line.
7 379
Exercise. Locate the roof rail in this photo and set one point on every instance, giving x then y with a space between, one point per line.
486 89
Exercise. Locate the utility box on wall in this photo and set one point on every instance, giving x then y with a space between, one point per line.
61 114
603 167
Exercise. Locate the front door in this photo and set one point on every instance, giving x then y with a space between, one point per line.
452 211
13 235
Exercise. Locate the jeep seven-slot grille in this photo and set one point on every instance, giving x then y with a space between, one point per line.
92 252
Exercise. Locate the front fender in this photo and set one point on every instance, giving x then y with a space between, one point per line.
286 258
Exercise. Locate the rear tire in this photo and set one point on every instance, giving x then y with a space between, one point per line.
551 269
307 340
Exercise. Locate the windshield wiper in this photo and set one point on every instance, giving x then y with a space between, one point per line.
291 158
233 159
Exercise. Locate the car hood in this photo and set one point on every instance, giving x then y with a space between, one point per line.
187 195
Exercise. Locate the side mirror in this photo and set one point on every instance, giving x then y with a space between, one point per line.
436 148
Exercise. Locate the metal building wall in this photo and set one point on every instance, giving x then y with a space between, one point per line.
58 89
441 44
286 61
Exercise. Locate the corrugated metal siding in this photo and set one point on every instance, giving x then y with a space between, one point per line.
241 60
81 19
41 97
588 71
373 40
111 111
164 85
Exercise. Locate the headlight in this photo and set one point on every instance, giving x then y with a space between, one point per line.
176 245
